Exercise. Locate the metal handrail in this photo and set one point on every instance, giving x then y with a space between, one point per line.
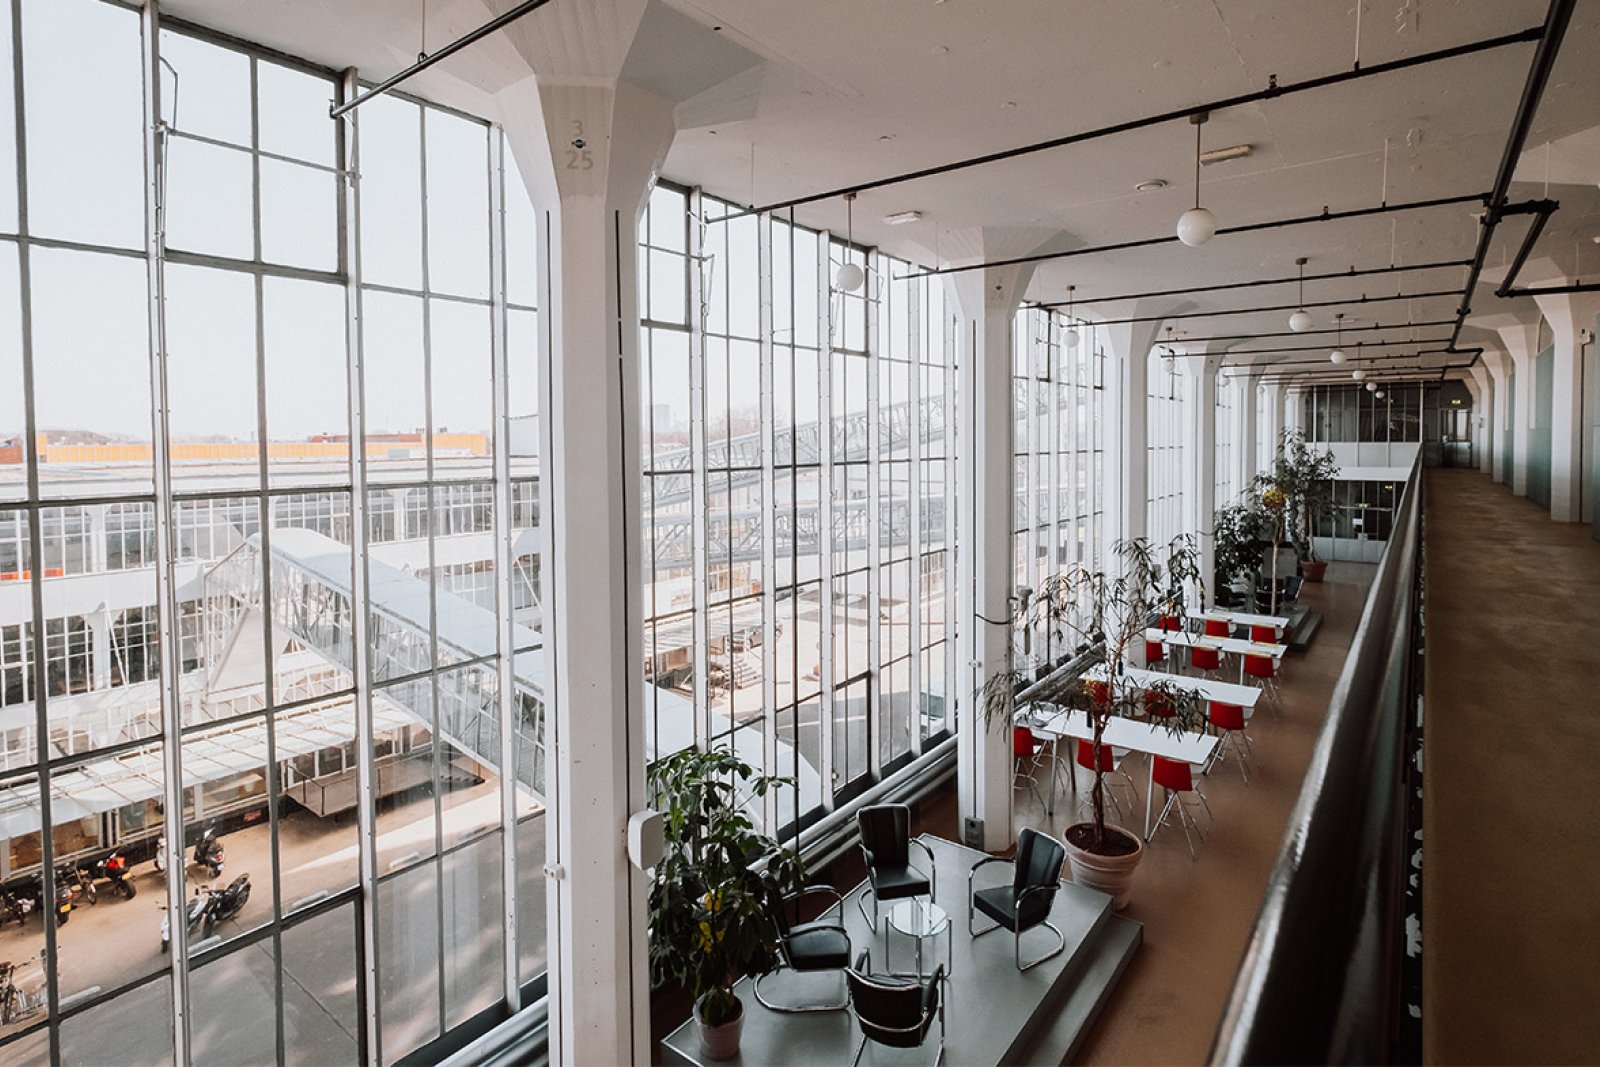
1321 979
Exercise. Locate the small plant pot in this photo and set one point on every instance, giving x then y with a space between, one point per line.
1109 874
720 1042
1312 570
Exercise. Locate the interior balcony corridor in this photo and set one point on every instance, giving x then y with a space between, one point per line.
1511 849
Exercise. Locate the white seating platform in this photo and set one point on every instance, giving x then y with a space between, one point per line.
993 1013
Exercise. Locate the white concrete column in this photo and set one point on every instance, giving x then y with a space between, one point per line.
1127 426
1498 366
987 303
1204 497
1273 424
1521 343
99 622
1250 406
1483 444
1294 408
588 145
1571 316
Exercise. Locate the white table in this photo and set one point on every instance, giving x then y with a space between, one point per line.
1183 746
1244 618
1234 645
1245 696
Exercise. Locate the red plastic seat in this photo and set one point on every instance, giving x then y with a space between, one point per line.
1227 716
1158 706
1085 757
1022 743
1154 652
1218 628
1259 666
1099 692
1169 623
1205 659
1267 635
1178 780
1229 721
1171 774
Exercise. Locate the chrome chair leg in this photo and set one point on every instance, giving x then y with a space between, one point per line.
1017 940
795 1010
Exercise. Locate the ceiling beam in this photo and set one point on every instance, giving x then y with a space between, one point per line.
1353 351
1362 299
1384 208
1304 333
1290 280
1273 91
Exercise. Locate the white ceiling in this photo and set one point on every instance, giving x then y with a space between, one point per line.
785 99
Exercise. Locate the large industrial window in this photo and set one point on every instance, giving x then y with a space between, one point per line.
1169 430
189 380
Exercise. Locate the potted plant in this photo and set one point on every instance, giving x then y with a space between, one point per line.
1236 533
1110 613
1304 477
708 903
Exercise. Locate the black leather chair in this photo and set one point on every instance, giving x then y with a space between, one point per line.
886 844
1026 902
895 1011
818 945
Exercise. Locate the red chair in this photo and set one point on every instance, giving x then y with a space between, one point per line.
1229 721
1155 654
1025 751
1099 692
1266 635
1158 707
1178 780
1169 623
1218 628
1110 762
1265 671
1207 661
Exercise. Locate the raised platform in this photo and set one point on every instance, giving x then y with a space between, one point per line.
993 1013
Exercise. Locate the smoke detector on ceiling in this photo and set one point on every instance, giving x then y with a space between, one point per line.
900 218
1152 184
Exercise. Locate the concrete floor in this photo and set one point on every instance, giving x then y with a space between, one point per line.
1511 850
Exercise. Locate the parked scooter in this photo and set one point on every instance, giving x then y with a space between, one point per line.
74 888
18 903
115 869
208 852
193 914
22 989
227 903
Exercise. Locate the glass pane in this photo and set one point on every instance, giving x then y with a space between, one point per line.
92 371
88 186
294 114
474 938
522 237
458 205
8 129
13 427
316 750
307 415
463 411
532 948
396 387
312 564
211 375
391 192
320 1020
129 1030
299 215
205 89
220 1032
408 960
210 201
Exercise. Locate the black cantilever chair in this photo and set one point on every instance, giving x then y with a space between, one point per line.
886 844
894 1011
818 945
1025 903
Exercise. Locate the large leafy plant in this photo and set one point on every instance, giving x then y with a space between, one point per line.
1236 533
1304 477
1110 613
708 904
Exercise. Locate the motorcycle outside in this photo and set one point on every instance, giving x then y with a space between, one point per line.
74 888
226 904
194 915
18 903
208 852
22 990
115 869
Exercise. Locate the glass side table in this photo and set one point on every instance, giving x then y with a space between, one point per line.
921 920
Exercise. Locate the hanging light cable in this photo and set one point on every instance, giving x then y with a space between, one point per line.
1337 355
1197 225
1071 335
1300 321
850 276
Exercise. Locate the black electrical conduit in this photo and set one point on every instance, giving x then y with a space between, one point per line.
1306 333
1273 91
1362 299
1356 358
1290 280
1275 350
1382 377
1320 981
1250 227
1544 60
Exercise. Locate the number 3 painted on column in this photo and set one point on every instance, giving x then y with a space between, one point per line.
579 156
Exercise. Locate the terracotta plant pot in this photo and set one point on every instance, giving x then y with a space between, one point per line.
1108 874
1312 570
720 1042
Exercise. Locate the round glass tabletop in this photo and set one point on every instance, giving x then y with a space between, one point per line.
918 918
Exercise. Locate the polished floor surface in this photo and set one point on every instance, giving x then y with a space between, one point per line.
1511 846
1198 914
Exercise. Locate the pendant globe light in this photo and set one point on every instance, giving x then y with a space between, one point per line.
1337 355
1071 334
1372 387
850 276
1197 225
1378 393
1358 374
1300 321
